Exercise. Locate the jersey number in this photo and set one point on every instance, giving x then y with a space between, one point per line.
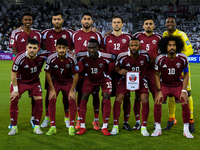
55 42
171 71
61 70
109 84
135 68
147 47
116 46
85 43
34 69
94 70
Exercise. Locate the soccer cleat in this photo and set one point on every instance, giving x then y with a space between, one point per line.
126 126
45 122
191 126
71 131
13 131
32 122
157 132
10 126
114 131
105 131
81 131
51 131
137 126
78 124
144 132
37 130
67 122
172 121
96 125
188 134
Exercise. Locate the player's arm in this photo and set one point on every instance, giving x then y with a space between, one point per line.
15 92
14 51
188 50
159 92
121 71
52 92
185 83
72 93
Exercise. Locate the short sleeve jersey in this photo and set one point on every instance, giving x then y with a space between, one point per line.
62 72
96 69
50 37
20 39
149 43
117 44
187 50
124 60
171 70
28 69
81 38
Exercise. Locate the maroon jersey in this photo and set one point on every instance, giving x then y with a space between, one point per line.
96 69
29 70
19 39
171 70
62 72
117 44
125 61
50 37
149 43
81 38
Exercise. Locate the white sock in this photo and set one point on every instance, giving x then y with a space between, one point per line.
82 125
138 121
71 126
37 126
96 119
53 126
115 126
32 118
14 127
47 117
185 127
158 126
79 118
105 125
143 127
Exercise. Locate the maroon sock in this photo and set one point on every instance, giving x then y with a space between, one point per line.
52 111
66 105
185 113
157 113
145 113
72 109
116 112
96 103
14 111
107 110
79 102
136 109
102 107
38 111
127 109
82 110
47 103
32 104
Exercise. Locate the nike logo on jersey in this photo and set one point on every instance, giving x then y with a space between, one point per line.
141 41
128 64
26 66
79 38
56 66
110 41
51 36
22 40
164 66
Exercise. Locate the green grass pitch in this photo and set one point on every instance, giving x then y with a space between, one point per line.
26 139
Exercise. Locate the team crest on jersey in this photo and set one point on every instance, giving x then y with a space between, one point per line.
154 41
64 36
123 40
92 37
35 37
100 65
68 65
178 65
142 62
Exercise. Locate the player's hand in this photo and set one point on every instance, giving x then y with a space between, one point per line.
72 95
72 53
107 33
94 29
122 71
185 97
52 94
158 97
20 28
13 95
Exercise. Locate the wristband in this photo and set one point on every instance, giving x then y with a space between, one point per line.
184 91
158 90
15 88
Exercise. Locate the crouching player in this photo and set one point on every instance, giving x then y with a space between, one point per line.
96 67
169 81
25 77
133 60
61 74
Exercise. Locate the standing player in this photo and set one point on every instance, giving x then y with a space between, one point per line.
80 39
187 50
60 68
50 37
115 43
96 67
19 39
25 77
169 81
149 42
133 60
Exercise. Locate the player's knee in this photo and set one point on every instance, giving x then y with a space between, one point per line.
144 98
119 97
37 97
106 96
85 96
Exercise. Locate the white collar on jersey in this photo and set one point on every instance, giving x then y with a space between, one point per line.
27 54
65 55
98 52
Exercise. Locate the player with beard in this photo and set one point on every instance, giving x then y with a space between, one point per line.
115 43
149 42
132 60
169 66
187 50
18 41
80 39
50 37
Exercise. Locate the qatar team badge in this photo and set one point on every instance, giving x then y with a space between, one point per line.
64 36
92 37
132 81
154 41
178 65
123 40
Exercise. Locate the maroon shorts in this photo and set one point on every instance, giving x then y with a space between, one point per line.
121 89
172 91
151 81
35 89
89 86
